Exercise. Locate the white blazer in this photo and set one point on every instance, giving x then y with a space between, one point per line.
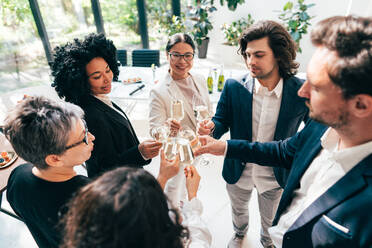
162 94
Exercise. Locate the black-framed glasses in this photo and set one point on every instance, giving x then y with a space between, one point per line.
178 56
85 139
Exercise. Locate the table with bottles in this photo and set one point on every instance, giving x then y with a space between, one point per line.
215 77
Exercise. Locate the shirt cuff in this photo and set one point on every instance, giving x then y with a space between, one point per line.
225 152
143 156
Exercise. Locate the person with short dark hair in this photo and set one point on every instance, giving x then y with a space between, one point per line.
126 207
328 196
83 71
261 106
180 84
53 138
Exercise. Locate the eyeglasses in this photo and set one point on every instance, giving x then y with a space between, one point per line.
177 56
85 139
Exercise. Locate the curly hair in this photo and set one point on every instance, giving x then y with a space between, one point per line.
70 60
350 37
280 41
125 207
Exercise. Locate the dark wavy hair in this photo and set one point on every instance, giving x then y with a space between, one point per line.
125 207
280 41
350 37
70 60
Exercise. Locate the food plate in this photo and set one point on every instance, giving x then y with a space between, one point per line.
7 158
134 80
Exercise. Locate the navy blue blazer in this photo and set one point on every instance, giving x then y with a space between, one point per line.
234 113
116 142
348 202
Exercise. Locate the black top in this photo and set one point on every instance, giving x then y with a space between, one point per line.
116 143
41 203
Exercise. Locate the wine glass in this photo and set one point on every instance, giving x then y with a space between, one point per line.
201 114
160 133
191 136
177 112
171 149
186 154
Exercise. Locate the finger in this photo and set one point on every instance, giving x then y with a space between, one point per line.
203 140
201 150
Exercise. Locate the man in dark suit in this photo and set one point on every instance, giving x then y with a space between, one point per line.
262 106
328 196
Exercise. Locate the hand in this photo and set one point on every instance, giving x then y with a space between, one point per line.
168 168
149 148
210 145
192 181
174 127
205 127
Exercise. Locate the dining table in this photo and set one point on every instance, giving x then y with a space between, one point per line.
135 83
5 172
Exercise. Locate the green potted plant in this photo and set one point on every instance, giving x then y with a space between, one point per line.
296 19
202 25
233 31
231 4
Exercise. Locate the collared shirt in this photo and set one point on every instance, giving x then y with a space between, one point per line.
265 112
326 169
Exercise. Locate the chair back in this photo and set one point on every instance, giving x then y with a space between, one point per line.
145 57
121 56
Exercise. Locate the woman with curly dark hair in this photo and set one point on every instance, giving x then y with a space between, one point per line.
126 207
83 71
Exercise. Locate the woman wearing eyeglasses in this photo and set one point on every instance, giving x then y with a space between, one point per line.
179 83
83 72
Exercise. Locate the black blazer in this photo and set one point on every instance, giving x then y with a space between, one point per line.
116 143
348 202
234 113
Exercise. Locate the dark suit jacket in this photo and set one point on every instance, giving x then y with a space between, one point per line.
348 202
116 143
234 112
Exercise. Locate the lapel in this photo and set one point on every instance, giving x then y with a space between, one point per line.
113 114
176 93
304 159
347 186
245 102
288 108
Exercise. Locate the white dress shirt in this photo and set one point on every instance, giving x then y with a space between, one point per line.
329 166
265 112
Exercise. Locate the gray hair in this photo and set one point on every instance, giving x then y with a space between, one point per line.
38 127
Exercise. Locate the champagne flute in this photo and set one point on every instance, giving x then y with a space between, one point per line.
177 111
186 154
160 133
191 136
171 149
201 114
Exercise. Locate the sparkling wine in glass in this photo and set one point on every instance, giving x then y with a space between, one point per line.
160 133
177 111
186 154
190 135
171 149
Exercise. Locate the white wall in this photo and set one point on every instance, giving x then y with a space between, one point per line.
265 9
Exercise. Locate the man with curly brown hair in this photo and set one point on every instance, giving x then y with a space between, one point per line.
261 106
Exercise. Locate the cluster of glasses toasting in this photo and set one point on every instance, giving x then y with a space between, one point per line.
184 142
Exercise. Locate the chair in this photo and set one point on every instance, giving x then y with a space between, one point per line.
145 57
121 56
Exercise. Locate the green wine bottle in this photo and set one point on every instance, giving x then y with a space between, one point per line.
221 80
210 82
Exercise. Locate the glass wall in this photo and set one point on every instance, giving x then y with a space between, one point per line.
22 57
120 20
67 19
